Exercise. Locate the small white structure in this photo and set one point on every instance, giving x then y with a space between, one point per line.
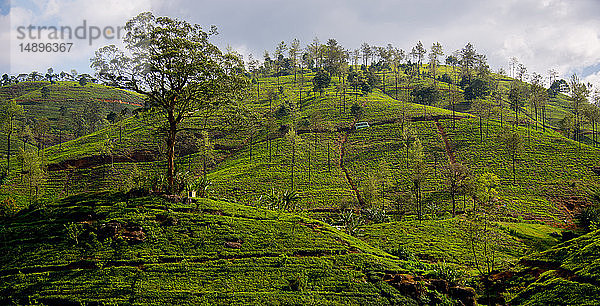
361 125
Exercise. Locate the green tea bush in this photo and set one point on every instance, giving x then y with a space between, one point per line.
403 253
376 215
449 273
588 218
8 208
73 231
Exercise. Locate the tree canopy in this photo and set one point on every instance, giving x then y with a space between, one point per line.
176 67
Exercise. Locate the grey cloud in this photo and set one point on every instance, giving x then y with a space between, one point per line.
543 34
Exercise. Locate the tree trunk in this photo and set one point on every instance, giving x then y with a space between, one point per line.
293 162
453 204
536 117
383 82
514 169
204 167
453 113
396 91
480 130
171 152
8 151
501 123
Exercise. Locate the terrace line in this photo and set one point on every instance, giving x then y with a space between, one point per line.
66 32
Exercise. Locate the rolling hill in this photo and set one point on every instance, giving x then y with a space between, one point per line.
354 235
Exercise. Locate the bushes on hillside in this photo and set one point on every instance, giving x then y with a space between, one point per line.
589 218
426 95
3 174
8 208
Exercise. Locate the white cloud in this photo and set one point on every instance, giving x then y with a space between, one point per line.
542 34
594 79
70 13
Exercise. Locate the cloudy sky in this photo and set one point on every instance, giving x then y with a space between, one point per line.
542 34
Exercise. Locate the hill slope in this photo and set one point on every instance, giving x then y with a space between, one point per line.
111 248
69 107
567 274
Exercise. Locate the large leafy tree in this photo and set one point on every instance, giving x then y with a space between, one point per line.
477 88
426 95
176 67
321 81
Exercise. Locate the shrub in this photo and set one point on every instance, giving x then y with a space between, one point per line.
282 111
3 174
297 282
588 218
158 183
356 110
8 208
442 270
446 78
376 215
202 187
73 231
403 253
351 221
285 200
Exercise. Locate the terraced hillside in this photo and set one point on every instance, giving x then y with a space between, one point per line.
62 101
115 248
567 272
290 141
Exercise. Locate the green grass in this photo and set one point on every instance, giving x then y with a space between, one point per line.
539 236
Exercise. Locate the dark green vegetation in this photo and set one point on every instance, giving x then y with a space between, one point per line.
466 176
114 248
567 272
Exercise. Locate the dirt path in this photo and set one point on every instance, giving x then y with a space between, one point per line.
343 142
447 144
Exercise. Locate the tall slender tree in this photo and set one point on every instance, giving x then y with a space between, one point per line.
279 59
434 54
467 60
579 97
513 144
294 51
9 116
